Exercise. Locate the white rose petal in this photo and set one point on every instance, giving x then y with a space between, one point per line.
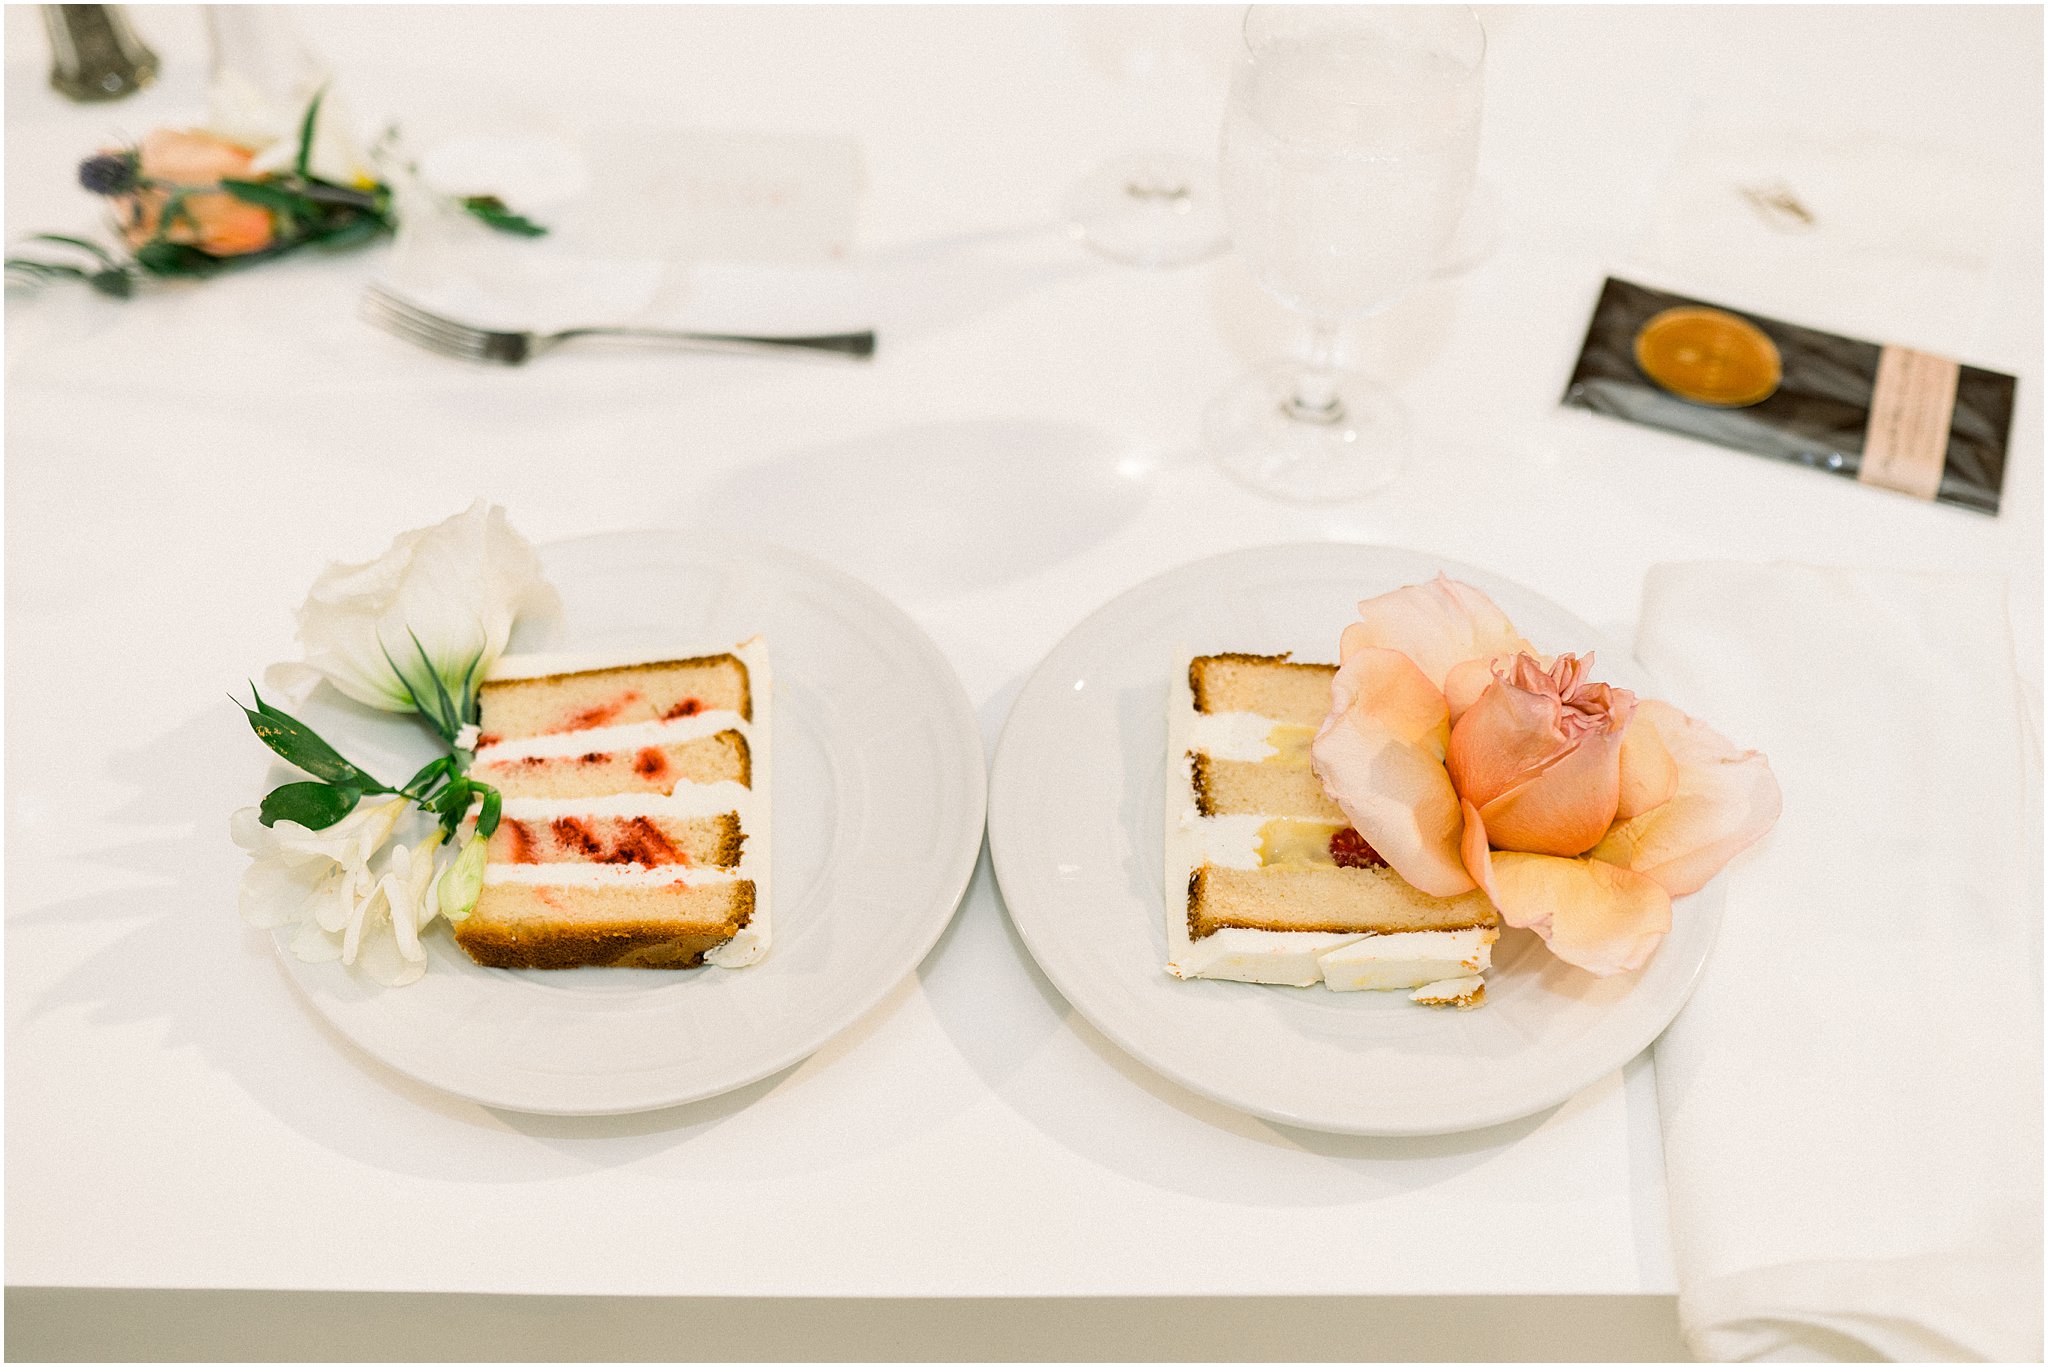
316 877
241 112
438 605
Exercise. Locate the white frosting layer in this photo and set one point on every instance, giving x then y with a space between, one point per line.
687 800
1229 735
540 664
1381 963
1342 961
632 736
607 875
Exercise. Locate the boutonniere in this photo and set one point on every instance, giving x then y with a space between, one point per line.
191 203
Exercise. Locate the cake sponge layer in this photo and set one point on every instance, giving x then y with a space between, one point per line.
527 925
1235 787
653 841
553 703
651 769
1366 900
1269 685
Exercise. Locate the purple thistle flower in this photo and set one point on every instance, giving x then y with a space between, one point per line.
109 173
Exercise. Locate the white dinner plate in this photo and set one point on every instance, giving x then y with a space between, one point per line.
879 793
1075 821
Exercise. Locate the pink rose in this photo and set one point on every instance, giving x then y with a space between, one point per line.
1467 761
214 222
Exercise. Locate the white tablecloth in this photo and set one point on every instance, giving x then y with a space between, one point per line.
180 467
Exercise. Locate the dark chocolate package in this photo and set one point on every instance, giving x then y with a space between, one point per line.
1885 415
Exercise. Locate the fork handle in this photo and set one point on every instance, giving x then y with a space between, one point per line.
860 345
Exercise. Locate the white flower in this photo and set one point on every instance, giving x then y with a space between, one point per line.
268 124
347 902
416 628
383 936
312 878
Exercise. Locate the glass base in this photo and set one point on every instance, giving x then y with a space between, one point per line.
1264 439
1150 209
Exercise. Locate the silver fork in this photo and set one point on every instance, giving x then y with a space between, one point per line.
408 320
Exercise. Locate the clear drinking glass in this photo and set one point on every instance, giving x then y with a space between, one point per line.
1156 204
1348 148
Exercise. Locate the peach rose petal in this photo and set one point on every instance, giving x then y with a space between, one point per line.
1467 680
1724 802
1380 757
1504 739
1475 850
1567 807
192 158
1599 917
1649 776
1439 625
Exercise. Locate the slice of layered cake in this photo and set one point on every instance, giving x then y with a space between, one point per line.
1266 882
635 824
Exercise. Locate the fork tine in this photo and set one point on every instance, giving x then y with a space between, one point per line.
437 322
421 320
392 320
405 329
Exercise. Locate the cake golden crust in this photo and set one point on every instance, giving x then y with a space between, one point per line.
1463 1002
519 925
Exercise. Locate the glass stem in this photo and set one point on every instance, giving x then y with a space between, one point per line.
1315 388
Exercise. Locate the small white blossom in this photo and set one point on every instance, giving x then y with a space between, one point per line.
299 875
383 936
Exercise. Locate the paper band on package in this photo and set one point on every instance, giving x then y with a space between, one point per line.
1906 443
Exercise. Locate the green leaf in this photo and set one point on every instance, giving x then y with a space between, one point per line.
448 723
492 210
353 232
305 157
315 806
43 270
115 282
99 252
299 745
174 258
454 799
417 785
347 197
265 708
487 819
451 804
270 196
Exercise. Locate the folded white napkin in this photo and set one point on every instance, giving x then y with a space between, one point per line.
1865 232
1852 1100
685 228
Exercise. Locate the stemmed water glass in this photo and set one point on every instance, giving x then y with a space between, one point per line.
1155 204
1348 148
